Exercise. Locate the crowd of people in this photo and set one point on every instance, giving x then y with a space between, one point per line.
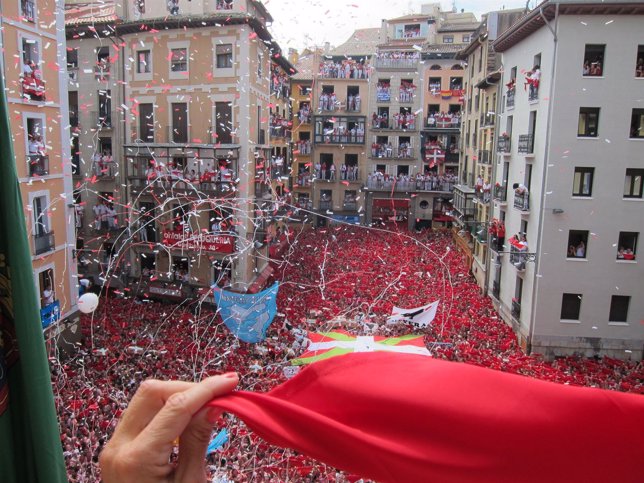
328 101
387 150
103 163
303 147
406 93
345 278
444 119
429 181
280 126
280 83
397 58
105 216
401 120
342 134
345 69
348 172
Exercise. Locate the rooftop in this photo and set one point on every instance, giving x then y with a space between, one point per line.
91 13
547 10
306 67
361 42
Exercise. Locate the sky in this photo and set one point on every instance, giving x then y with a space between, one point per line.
307 23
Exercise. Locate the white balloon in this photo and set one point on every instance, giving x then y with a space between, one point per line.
88 302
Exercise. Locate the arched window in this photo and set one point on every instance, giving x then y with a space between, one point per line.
457 67
435 67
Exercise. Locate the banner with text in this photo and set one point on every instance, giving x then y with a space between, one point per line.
208 242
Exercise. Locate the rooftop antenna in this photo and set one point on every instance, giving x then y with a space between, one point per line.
454 6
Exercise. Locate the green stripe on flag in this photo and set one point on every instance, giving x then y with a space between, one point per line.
337 336
337 351
397 340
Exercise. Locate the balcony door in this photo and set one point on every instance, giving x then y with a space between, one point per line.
146 123
180 122
41 221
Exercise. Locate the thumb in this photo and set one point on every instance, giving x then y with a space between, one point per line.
193 445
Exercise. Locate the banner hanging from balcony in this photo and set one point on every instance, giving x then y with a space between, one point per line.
208 242
248 316
434 156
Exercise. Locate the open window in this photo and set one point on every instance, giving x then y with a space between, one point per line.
570 306
588 122
619 308
593 60
637 124
577 244
627 245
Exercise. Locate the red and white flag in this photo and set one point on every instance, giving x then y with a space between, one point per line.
421 316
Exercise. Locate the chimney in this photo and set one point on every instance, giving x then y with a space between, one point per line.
327 47
293 56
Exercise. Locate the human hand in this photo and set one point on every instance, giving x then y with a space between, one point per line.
159 413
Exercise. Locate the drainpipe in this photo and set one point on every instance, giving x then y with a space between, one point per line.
536 279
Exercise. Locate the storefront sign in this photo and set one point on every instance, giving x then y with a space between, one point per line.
199 241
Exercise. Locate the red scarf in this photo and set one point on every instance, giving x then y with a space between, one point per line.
406 418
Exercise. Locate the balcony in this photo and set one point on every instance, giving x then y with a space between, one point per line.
484 157
224 5
350 206
103 119
352 105
72 74
43 243
105 169
393 153
50 314
516 309
279 131
406 96
349 138
383 94
501 193
38 165
481 235
487 119
522 201
391 63
102 72
33 89
504 145
533 92
28 10
326 205
178 135
526 144
447 122
509 98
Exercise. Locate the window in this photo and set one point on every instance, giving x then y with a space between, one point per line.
104 108
260 62
179 60
28 10
582 184
637 124
639 63
143 62
224 56
179 123
448 39
223 123
30 53
466 38
627 245
593 60
588 122
577 244
456 83
434 83
411 31
633 183
146 123
619 308
47 288
570 306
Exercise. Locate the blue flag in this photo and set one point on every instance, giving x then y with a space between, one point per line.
248 316
218 441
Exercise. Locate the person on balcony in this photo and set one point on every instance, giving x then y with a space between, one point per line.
173 7
36 146
487 188
332 172
343 172
533 79
47 296
99 214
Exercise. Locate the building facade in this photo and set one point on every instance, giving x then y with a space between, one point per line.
191 108
33 45
414 151
475 190
569 278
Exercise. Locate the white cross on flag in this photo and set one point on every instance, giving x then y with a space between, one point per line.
434 155
421 316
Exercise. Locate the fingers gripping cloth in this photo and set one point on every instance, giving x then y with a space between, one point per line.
405 418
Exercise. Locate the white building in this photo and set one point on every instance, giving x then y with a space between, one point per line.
573 285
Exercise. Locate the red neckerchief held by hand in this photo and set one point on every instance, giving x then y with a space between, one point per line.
406 418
